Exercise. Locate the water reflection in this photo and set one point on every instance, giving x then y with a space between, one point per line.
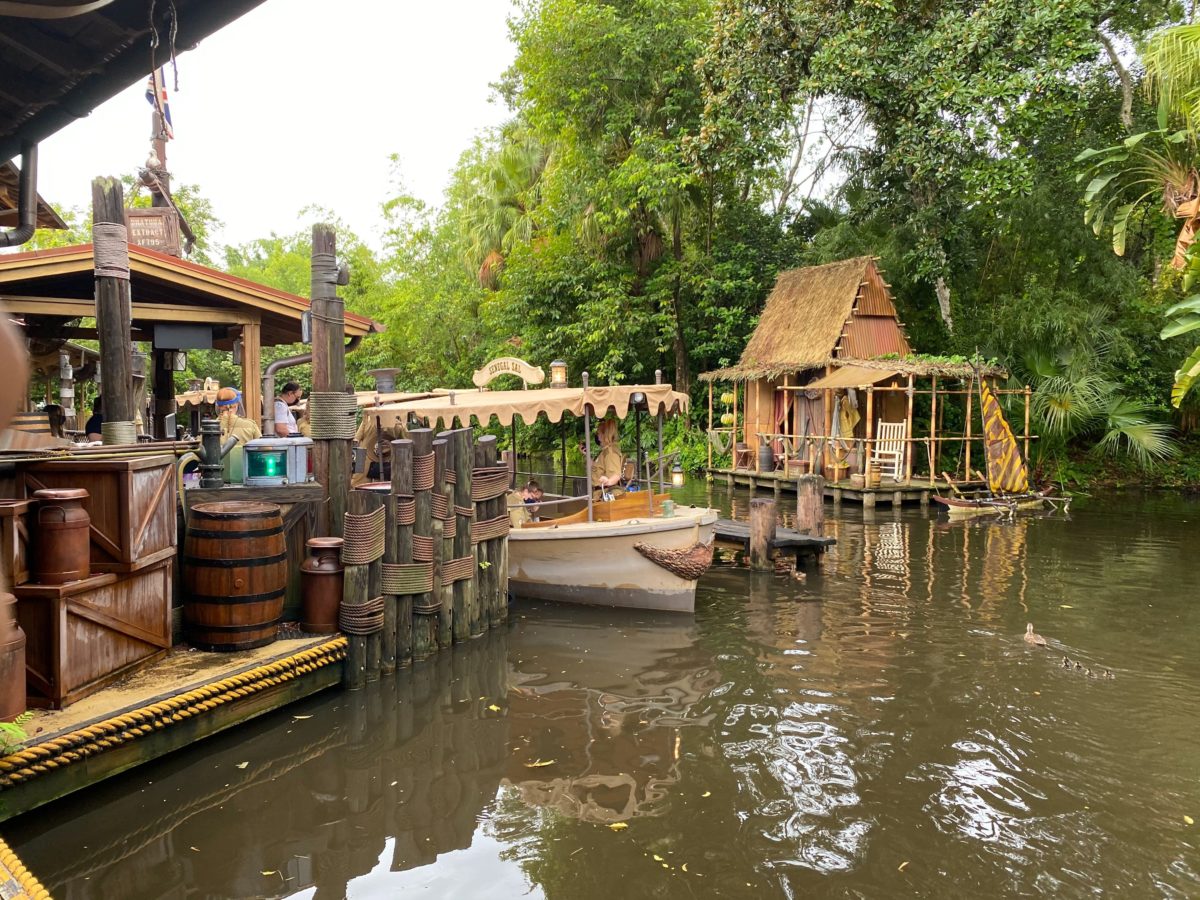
875 730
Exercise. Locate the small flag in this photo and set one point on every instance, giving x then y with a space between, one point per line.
156 96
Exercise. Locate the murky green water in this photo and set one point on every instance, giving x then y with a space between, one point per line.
882 731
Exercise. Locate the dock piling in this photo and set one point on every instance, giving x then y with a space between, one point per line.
762 533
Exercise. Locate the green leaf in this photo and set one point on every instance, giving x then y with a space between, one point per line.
1182 325
1191 304
1121 227
1134 139
1096 185
1185 378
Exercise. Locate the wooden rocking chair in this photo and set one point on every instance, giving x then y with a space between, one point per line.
888 452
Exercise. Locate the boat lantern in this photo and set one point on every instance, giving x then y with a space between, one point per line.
677 475
558 374
274 462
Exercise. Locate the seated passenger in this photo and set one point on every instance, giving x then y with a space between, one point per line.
531 496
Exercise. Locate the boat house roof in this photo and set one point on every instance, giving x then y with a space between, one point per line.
60 284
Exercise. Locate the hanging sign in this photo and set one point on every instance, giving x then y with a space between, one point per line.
507 365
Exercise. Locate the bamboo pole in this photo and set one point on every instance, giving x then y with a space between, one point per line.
967 436
908 427
399 550
1028 393
443 547
710 423
735 424
870 448
933 418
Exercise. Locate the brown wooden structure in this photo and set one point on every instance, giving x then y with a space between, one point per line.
828 380
50 290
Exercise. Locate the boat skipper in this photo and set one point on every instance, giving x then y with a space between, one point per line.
367 437
608 466
233 423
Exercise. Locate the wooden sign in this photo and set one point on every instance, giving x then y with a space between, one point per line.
156 228
507 365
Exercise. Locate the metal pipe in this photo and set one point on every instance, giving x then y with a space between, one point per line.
587 446
268 391
27 199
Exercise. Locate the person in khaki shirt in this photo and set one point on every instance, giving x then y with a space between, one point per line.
367 437
608 465
233 423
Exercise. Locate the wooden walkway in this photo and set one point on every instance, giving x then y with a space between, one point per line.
887 494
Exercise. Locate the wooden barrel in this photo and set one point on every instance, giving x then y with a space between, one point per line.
31 422
235 571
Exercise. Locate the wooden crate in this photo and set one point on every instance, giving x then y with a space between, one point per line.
86 634
131 503
14 541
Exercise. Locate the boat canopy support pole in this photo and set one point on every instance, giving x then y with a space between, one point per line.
587 445
661 481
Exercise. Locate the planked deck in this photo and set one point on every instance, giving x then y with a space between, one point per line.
805 548
887 494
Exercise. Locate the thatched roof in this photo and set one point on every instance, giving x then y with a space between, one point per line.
926 366
816 314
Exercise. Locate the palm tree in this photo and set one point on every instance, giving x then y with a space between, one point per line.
497 216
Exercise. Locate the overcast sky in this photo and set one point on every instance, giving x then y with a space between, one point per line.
302 102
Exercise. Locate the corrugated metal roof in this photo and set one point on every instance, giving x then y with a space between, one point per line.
874 299
867 337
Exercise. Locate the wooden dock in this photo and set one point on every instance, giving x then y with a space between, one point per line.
887 494
805 548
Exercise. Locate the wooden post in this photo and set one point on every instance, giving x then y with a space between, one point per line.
489 550
375 589
870 432
355 586
443 549
466 597
967 442
164 394
1028 394
907 445
397 610
762 534
252 371
113 305
424 625
826 448
331 458
735 424
933 442
810 504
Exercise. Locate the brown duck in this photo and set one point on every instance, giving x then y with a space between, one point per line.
1033 638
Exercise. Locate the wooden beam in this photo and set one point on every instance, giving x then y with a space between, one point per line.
908 427
140 311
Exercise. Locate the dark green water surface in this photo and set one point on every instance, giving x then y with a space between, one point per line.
879 731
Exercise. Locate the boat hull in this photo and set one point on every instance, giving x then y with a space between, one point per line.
596 563
961 508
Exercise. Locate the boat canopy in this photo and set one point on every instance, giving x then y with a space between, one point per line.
484 406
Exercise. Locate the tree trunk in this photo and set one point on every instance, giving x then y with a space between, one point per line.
683 373
943 298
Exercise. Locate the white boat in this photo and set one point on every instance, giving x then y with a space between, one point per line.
629 552
599 563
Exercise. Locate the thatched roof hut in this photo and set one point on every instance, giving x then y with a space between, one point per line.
818 314
827 380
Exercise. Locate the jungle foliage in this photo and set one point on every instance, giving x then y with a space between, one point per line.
665 159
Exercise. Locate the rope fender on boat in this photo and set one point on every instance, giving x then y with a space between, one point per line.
13 873
69 748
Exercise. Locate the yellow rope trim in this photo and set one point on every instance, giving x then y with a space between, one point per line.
12 865
96 738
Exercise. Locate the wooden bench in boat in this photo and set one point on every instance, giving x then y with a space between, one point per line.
627 506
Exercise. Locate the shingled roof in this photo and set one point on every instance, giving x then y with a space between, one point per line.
818 314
